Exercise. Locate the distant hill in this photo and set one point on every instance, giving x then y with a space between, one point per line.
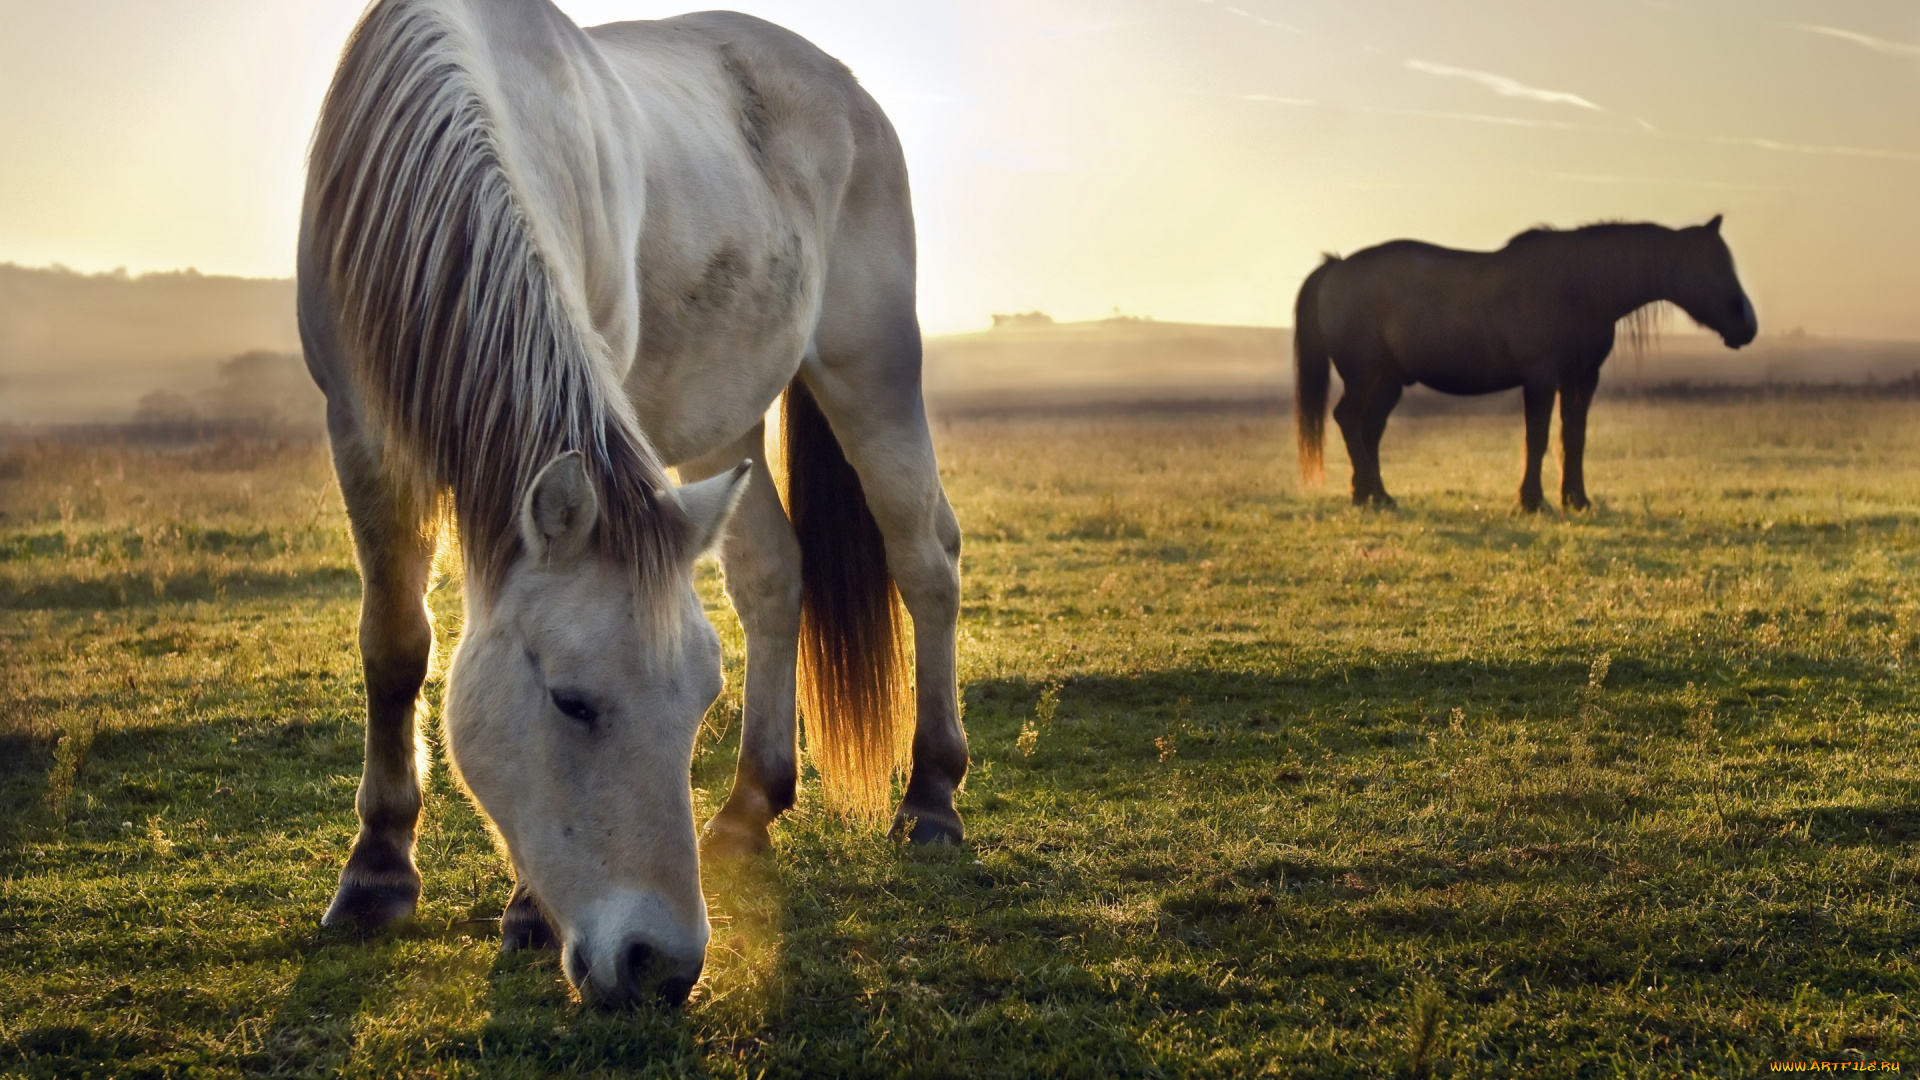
1029 361
92 348
88 347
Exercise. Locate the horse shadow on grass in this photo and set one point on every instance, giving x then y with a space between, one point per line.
1386 699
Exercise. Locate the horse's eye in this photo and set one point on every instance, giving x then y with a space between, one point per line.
574 706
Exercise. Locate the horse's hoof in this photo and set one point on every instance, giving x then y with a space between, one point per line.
373 901
730 838
928 825
1576 503
524 925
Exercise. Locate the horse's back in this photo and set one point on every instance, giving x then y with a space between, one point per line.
1409 301
755 138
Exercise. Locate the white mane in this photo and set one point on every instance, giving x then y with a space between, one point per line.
462 339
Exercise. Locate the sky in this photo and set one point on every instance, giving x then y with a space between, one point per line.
1182 159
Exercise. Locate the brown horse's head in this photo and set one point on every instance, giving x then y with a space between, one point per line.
1706 287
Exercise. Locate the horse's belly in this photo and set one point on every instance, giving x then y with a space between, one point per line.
1450 380
726 313
1452 356
701 404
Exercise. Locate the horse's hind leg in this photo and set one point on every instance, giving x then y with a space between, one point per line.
762 562
1362 415
1349 414
867 383
1380 405
391 538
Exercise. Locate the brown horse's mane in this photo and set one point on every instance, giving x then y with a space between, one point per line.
1603 228
1640 330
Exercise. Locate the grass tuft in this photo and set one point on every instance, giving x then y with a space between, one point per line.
1423 1029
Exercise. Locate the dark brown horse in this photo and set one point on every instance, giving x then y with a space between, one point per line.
1539 314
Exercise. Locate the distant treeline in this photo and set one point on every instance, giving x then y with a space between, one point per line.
259 388
78 348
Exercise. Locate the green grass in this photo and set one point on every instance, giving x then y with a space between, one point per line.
1262 784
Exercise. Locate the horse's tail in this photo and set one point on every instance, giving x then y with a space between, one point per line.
853 663
1311 374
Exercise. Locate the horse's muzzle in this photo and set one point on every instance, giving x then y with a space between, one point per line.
1746 330
637 973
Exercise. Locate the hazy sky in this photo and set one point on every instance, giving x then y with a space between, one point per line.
1186 159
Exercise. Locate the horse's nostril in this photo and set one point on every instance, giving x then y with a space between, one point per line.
640 962
674 991
576 964
650 974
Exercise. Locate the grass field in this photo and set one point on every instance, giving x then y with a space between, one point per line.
1262 785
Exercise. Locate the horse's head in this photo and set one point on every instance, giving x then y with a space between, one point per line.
571 716
1706 287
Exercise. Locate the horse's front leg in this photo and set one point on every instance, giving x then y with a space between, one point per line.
1539 403
395 549
1575 397
762 562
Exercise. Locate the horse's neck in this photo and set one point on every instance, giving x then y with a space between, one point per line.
546 83
1625 273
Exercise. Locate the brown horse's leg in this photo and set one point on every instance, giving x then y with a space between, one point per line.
1362 416
379 883
1539 402
1575 397
1350 414
762 562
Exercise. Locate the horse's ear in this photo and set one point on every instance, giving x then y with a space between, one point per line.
1714 225
709 503
560 510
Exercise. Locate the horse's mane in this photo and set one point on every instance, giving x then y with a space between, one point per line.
1607 228
458 333
1640 329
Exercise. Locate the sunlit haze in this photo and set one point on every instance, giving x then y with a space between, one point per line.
1184 159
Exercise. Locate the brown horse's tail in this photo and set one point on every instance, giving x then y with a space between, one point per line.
853 663
1311 374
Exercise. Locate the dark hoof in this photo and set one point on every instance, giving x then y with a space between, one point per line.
1576 503
728 837
1531 505
524 925
928 825
373 902
1379 500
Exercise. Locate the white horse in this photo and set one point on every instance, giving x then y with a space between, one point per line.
538 265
